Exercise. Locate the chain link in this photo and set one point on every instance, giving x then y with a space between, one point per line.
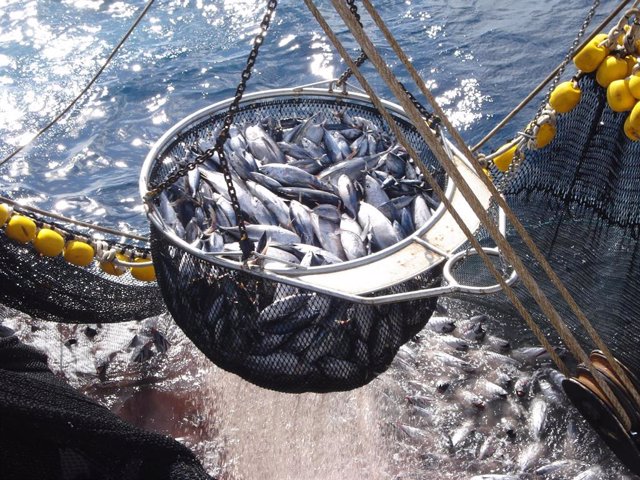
433 121
245 244
569 56
517 161
361 58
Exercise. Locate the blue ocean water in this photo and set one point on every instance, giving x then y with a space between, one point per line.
480 58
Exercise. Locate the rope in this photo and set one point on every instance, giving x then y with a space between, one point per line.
57 118
519 228
106 253
502 243
549 78
86 88
555 280
80 223
438 190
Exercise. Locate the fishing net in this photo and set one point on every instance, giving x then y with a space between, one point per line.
278 335
578 198
50 431
53 289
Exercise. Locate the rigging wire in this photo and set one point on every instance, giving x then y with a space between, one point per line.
434 184
542 300
560 327
57 118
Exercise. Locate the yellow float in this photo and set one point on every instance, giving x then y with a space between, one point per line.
503 160
5 213
565 97
78 253
591 56
619 96
612 68
545 135
49 242
145 274
21 229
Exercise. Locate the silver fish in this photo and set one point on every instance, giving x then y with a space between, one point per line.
530 456
327 234
309 195
274 233
347 194
278 208
262 146
284 307
490 390
373 192
452 361
421 212
441 324
352 245
538 418
383 235
290 176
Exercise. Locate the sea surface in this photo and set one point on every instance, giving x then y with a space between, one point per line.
479 58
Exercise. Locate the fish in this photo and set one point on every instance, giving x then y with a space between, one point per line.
283 307
593 473
327 234
554 468
453 342
441 324
262 146
352 245
310 195
274 233
290 176
461 433
538 419
451 361
522 386
529 456
373 192
382 233
278 208
490 390
347 194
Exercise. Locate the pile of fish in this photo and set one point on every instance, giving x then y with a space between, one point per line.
458 402
477 408
315 190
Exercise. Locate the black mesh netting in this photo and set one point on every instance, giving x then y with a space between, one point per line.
52 289
283 337
48 431
274 335
579 199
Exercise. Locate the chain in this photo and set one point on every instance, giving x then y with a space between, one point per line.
554 83
569 56
361 58
433 121
245 244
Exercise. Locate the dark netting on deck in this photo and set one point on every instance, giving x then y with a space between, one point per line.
579 199
48 431
53 289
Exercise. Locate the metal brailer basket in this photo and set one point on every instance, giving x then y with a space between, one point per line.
339 325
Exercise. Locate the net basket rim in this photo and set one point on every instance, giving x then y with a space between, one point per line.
296 94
